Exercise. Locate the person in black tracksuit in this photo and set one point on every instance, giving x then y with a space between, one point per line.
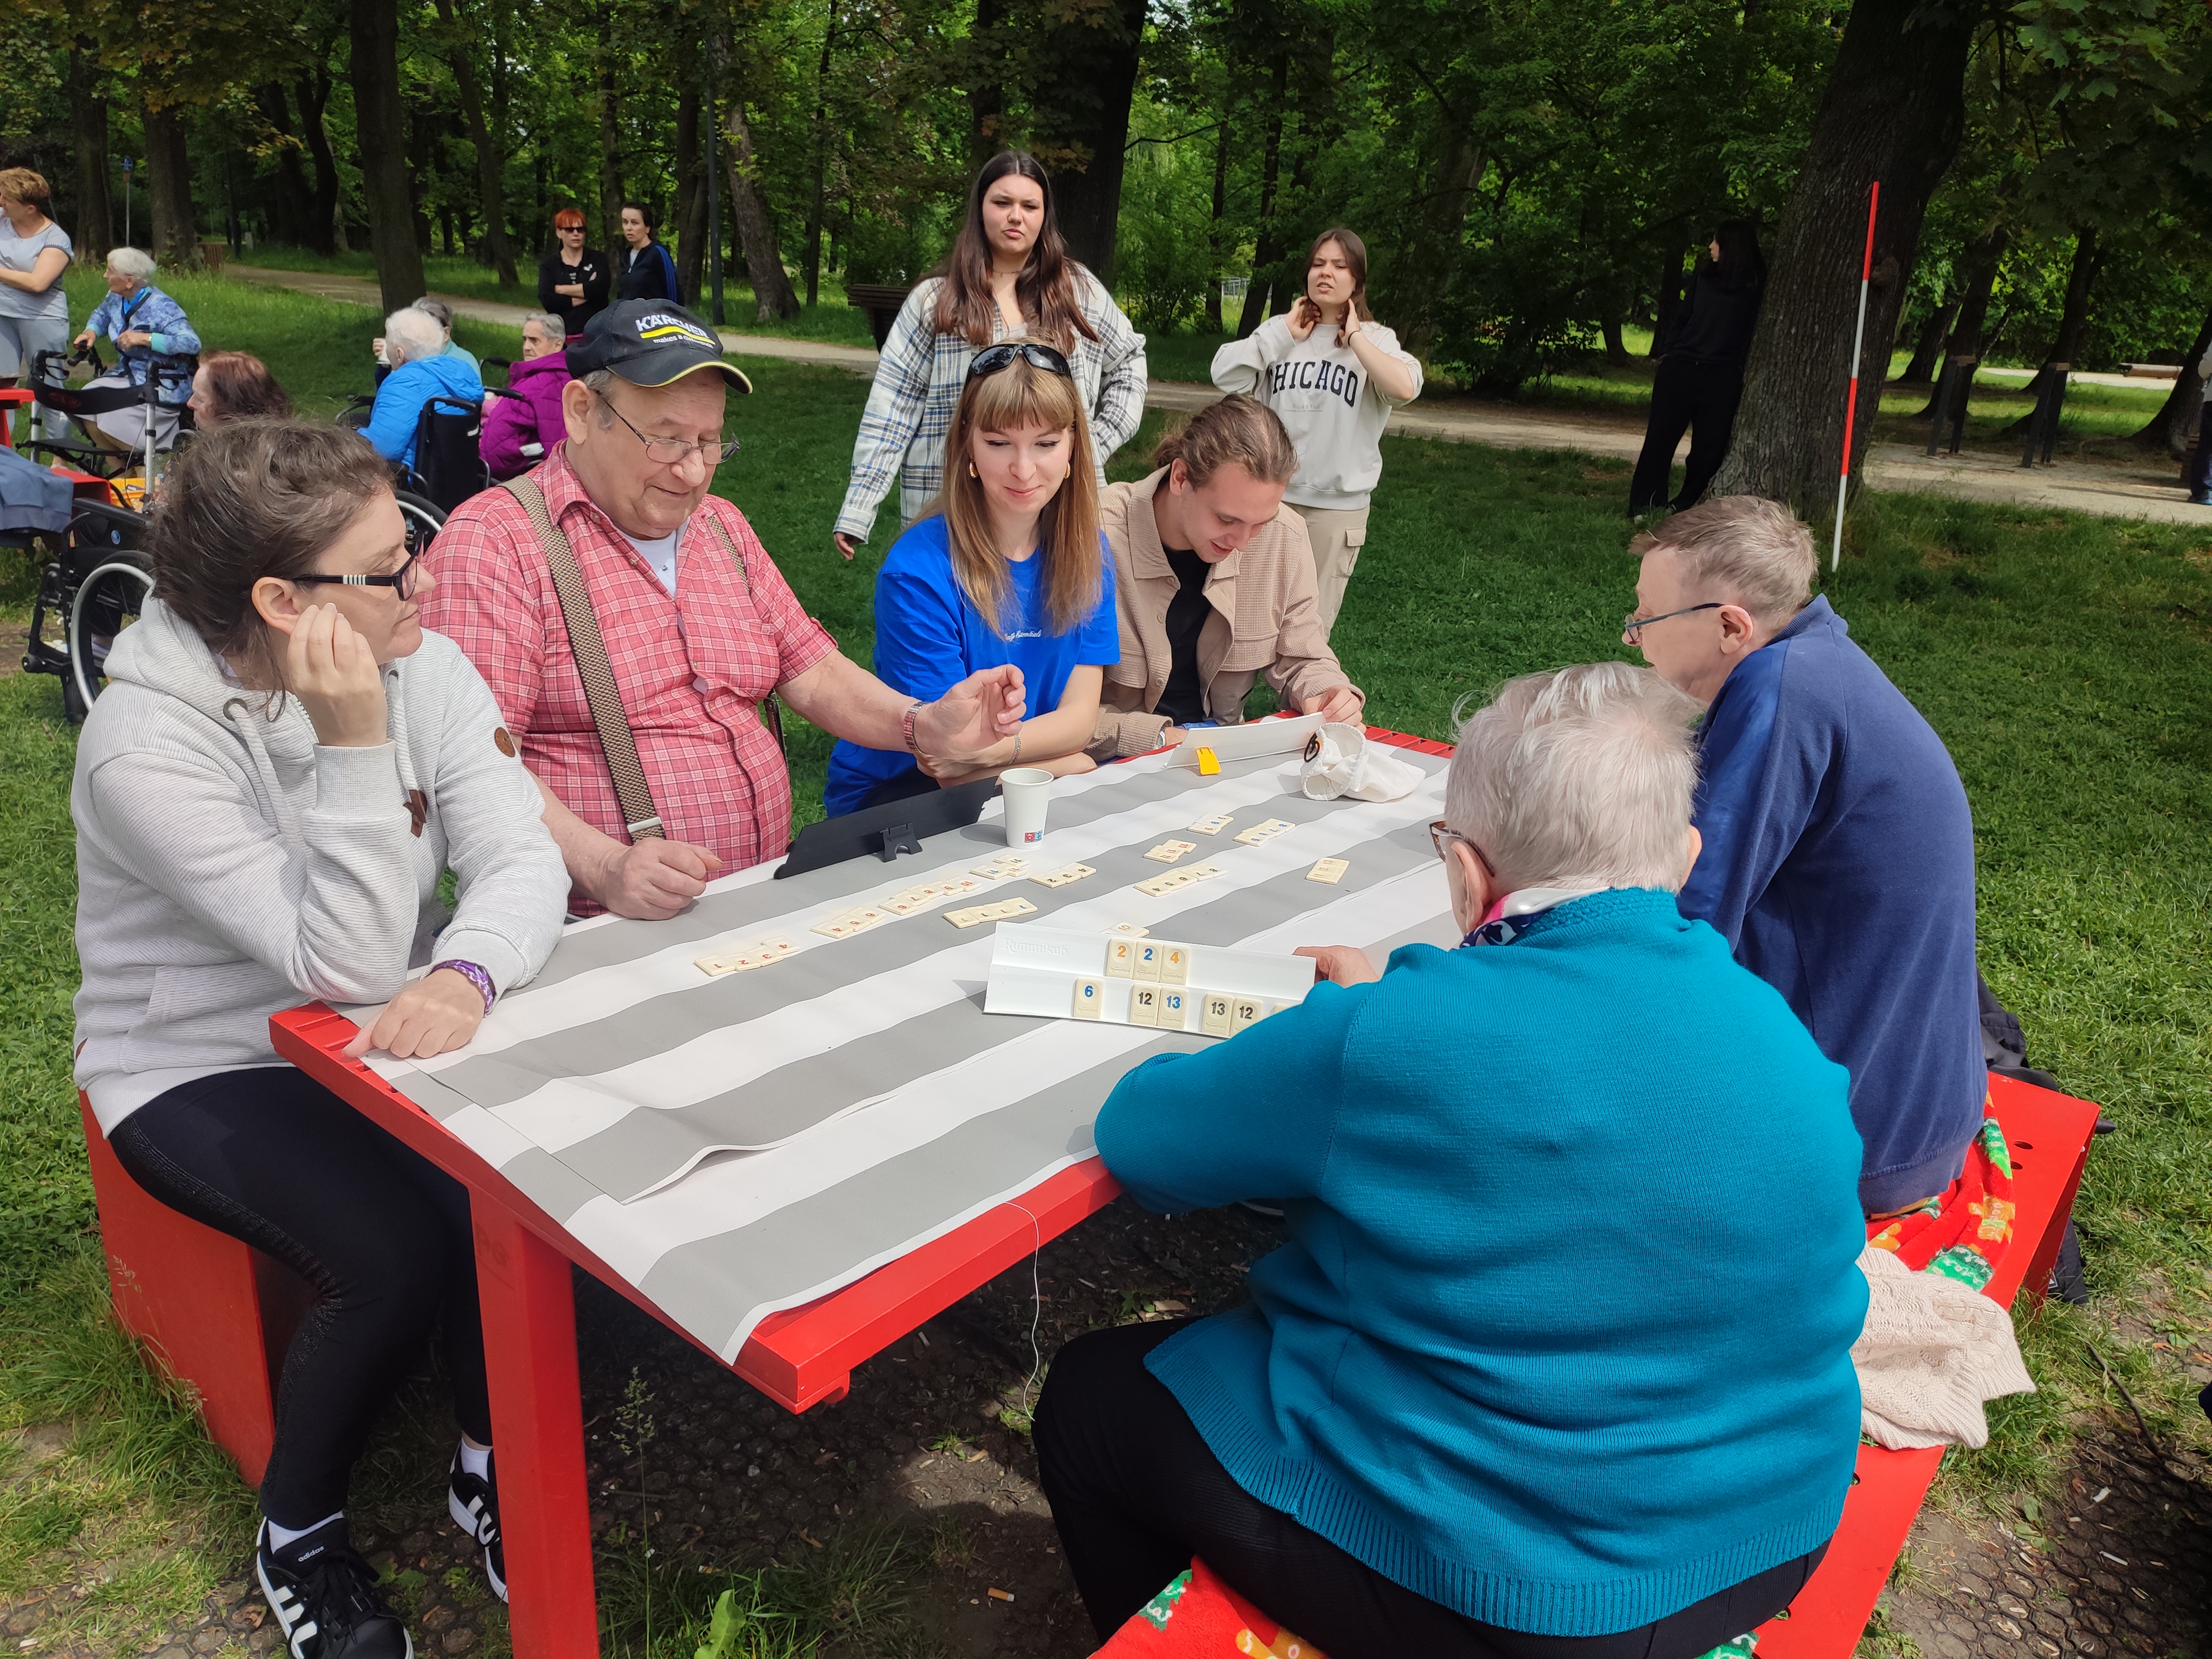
573 281
1700 378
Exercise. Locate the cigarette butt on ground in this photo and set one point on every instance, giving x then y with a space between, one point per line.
1000 1594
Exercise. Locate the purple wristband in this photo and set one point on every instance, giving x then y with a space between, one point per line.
475 976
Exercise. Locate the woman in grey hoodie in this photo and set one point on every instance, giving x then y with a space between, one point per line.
1333 374
282 766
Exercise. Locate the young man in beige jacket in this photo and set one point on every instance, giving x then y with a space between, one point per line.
1214 585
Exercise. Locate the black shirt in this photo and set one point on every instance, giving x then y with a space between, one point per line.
591 270
647 273
1184 699
1715 323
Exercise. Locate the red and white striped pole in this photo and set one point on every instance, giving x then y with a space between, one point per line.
1851 406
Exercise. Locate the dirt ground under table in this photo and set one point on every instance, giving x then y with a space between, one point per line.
903 1506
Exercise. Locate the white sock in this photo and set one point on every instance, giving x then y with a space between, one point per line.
476 1460
285 1537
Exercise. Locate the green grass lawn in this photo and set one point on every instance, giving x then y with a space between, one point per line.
2066 660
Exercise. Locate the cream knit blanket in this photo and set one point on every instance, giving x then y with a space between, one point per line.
1932 1351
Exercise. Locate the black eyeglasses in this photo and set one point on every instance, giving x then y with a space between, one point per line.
991 359
1442 836
402 580
668 452
1632 624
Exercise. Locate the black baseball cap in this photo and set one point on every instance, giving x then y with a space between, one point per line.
651 342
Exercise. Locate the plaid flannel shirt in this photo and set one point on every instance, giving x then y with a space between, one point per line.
692 667
918 381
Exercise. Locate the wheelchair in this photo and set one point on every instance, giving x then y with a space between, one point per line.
91 587
84 405
448 466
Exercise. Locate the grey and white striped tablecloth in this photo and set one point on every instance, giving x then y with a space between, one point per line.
622 1060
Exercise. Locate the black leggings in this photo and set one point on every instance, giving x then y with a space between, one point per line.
1700 398
1135 1494
271 1157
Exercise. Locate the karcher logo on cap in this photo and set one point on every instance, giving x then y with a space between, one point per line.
659 327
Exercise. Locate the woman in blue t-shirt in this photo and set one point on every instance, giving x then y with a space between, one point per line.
1008 566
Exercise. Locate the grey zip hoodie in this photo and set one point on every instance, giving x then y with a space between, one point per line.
228 867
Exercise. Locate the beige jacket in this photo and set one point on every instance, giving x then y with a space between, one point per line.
1266 620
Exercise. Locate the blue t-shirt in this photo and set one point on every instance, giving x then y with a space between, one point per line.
929 638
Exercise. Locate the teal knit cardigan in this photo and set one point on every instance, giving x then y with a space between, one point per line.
1560 1336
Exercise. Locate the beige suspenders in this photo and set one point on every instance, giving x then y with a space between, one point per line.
616 742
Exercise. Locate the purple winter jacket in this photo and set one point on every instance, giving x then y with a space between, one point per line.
527 412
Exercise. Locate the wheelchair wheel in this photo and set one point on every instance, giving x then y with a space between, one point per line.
424 519
107 601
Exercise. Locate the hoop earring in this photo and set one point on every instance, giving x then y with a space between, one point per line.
972 472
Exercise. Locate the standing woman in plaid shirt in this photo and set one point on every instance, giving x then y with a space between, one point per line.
1008 275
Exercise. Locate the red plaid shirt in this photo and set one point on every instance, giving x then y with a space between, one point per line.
692 667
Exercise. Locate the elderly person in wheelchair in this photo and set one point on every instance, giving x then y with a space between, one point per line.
414 344
156 341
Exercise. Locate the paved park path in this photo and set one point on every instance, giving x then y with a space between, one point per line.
2114 490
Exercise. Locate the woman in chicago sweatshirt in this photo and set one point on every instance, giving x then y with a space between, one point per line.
1333 374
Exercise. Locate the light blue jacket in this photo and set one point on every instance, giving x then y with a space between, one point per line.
399 402
148 308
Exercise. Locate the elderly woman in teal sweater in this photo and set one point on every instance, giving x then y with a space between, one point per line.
1555 1357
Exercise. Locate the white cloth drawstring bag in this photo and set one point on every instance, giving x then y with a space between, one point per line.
1341 762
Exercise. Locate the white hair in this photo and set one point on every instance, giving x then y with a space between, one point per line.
1742 549
414 333
553 328
132 262
1581 777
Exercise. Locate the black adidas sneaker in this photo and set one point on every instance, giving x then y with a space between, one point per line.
325 1598
473 1502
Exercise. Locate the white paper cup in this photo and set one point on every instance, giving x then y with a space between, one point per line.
1026 789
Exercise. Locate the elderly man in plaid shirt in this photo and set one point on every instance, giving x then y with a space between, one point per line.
699 626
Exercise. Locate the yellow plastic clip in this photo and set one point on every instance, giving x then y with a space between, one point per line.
1209 763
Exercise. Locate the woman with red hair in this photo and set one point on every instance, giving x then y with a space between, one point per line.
573 280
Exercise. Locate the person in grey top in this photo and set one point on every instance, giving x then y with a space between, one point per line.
34 252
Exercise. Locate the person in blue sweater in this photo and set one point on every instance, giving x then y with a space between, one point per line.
1839 850
154 338
414 344
1007 566
1558 1344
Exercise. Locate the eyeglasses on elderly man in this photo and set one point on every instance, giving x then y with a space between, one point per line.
1371 1449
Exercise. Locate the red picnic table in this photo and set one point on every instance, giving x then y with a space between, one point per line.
206 1303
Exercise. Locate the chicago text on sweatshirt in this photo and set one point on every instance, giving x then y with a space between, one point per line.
1320 391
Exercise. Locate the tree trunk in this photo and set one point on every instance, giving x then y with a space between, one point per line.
1423 275
691 187
1668 300
2072 318
380 134
1930 344
289 213
986 93
1894 110
1982 258
611 157
1616 349
810 263
2168 431
324 226
772 296
491 159
94 228
1213 242
1268 248
1082 116
175 240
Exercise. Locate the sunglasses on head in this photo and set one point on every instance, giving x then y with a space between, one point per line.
991 359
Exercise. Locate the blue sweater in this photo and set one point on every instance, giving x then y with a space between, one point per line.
1839 863
399 400
1561 1335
